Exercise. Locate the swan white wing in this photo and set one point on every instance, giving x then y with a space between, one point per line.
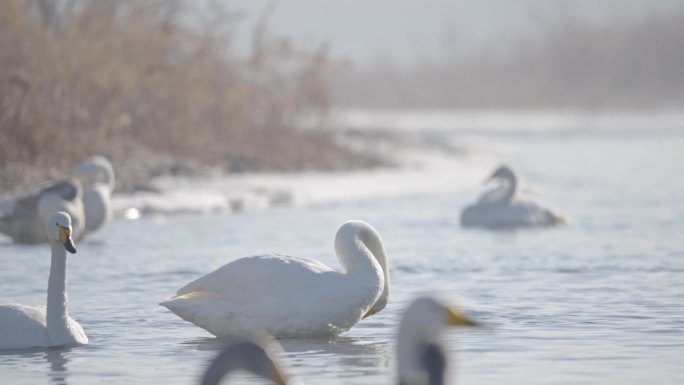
22 327
275 269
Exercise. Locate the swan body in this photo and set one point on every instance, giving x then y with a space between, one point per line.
24 326
503 208
291 296
24 218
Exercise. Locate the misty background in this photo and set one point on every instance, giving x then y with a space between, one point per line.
491 53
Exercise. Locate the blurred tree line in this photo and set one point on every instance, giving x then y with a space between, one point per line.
637 64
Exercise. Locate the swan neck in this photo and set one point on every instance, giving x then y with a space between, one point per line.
56 297
109 181
355 257
512 188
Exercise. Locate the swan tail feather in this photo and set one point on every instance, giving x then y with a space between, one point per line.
190 306
199 308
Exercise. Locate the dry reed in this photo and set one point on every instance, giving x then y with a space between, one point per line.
153 85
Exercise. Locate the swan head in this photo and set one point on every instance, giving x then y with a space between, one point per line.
248 355
59 230
426 318
419 348
94 170
503 172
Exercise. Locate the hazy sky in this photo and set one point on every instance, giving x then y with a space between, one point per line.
403 29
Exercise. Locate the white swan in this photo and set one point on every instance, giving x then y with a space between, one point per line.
421 357
24 326
96 174
503 208
24 218
290 296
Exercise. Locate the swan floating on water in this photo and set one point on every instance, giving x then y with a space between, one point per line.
503 208
24 326
421 357
291 296
86 198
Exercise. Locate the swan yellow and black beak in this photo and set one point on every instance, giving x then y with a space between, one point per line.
456 318
65 238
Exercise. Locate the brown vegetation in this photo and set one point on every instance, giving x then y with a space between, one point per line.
634 65
153 84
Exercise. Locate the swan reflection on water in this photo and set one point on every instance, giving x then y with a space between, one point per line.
367 356
58 360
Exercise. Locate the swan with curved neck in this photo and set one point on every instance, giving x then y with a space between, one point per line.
503 208
421 359
291 296
24 326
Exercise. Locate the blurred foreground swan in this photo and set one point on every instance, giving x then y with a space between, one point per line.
249 355
86 198
290 296
24 326
421 359
503 208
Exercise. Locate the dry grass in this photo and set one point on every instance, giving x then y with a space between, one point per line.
141 83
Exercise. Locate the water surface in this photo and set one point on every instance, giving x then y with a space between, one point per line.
598 301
